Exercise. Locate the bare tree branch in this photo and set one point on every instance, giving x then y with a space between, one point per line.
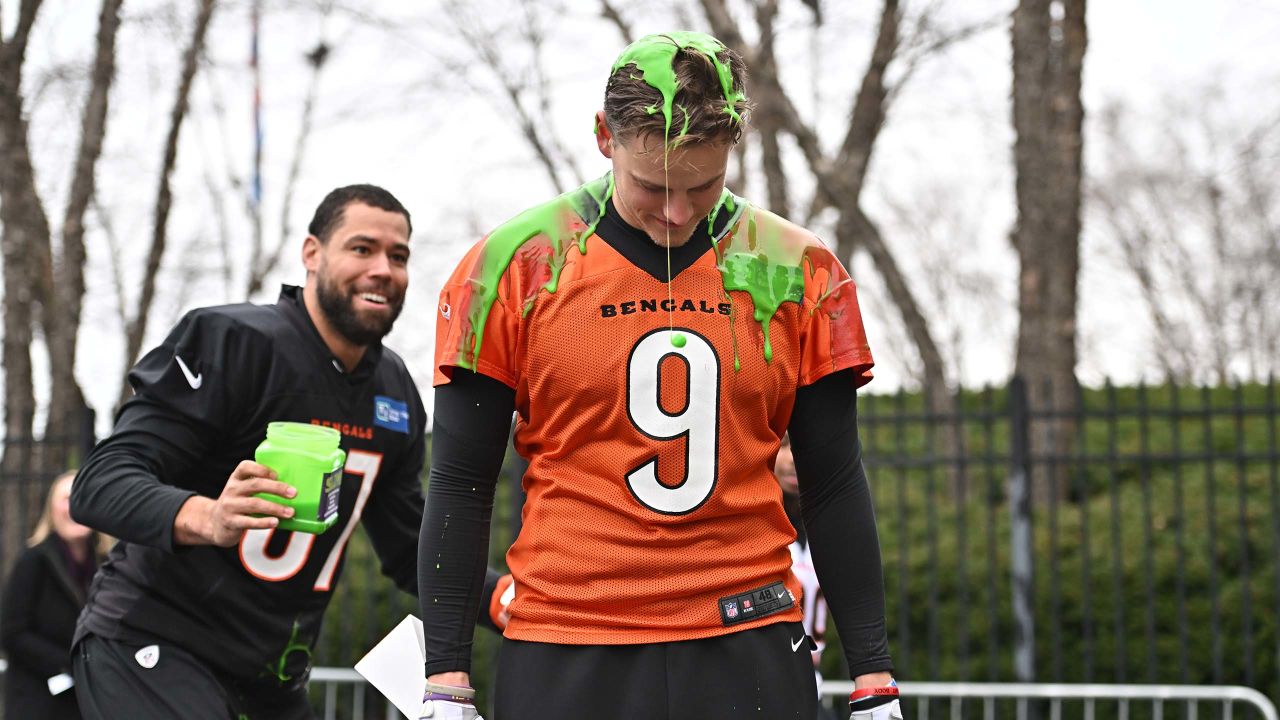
116 260
1216 305
609 12
261 267
536 130
217 200
137 327
855 229
234 184
927 42
726 29
24 230
486 51
62 319
1137 247
16 46
869 107
767 123
535 35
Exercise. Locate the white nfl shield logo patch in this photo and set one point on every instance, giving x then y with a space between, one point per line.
148 656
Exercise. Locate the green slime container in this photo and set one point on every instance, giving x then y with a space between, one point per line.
308 458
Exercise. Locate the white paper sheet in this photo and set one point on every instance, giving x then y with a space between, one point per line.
394 666
61 683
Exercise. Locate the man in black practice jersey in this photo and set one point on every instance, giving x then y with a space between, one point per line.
204 610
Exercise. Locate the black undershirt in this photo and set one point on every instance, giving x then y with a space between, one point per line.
472 421
634 244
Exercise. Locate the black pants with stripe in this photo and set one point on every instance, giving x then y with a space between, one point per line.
113 684
765 672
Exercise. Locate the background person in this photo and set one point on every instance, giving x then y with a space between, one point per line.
42 598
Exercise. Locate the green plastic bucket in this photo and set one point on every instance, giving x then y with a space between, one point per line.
308 458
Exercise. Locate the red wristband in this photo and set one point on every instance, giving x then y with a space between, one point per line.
874 696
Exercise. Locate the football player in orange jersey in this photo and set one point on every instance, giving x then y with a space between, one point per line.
656 336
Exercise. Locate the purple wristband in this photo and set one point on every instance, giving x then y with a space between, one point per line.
446 697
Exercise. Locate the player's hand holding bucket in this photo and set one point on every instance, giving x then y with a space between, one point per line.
308 458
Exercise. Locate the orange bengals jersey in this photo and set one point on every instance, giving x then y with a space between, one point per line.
650 415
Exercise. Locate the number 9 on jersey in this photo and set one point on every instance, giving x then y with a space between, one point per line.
698 421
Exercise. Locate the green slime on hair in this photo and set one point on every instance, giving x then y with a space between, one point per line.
654 57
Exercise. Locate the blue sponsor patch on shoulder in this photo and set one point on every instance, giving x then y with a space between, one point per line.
390 414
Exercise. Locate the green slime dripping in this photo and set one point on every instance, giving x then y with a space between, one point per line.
292 646
759 259
756 256
553 220
654 55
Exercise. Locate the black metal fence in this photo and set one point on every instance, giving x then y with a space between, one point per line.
1131 537
1137 543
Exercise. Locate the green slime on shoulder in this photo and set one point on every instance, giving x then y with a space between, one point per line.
754 256
759 259
567 220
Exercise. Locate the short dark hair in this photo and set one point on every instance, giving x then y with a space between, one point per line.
329 213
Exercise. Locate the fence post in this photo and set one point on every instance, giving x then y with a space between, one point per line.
1021 550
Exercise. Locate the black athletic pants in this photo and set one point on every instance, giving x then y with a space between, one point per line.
764 672
114 682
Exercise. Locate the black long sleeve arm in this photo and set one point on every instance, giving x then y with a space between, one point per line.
839 518
133 483
468 441
123 488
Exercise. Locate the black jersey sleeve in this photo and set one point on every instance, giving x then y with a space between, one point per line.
393 517
835 502
468 441
185 396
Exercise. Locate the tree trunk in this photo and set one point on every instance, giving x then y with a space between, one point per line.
137 329
1048 57
23 227
62 316
766 118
